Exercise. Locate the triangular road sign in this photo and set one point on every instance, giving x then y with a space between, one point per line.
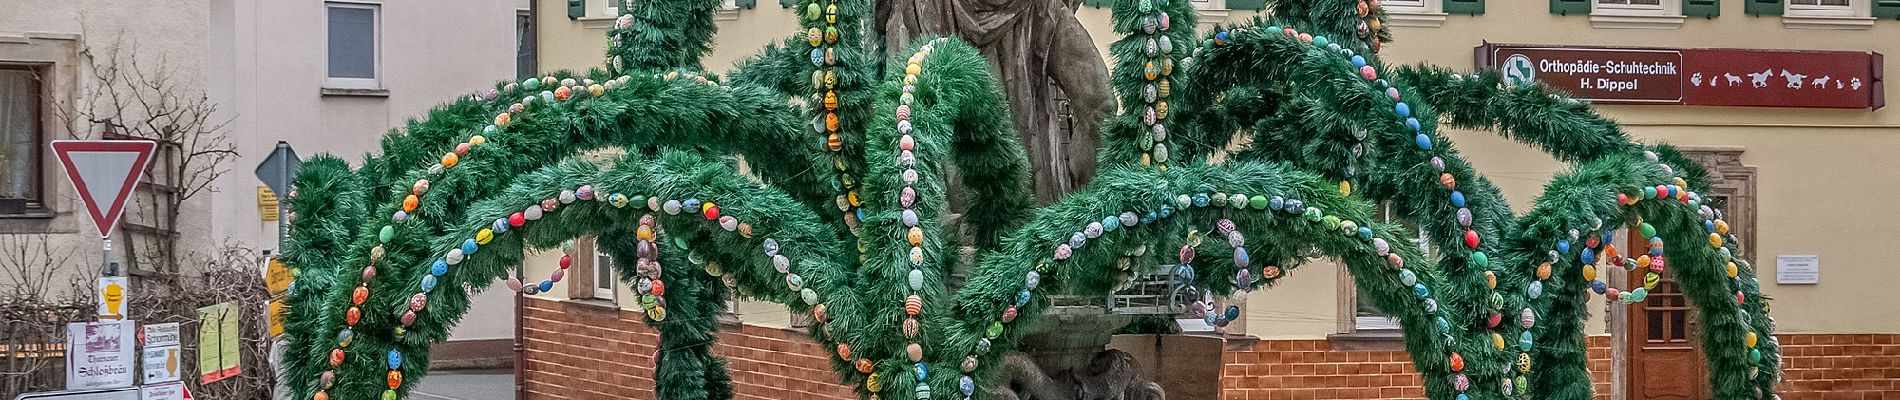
104 171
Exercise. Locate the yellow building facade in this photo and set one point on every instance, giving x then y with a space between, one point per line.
1805 186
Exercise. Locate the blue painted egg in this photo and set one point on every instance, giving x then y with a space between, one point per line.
1022 297
546 285
1402 109
1110 224
1365 233
440 267
469 246
923 373
1598 287
1412 123
967 385
395 359
1200 200
1457 198
1358 61
428 283
1276 203
1524 341
1420 290
1588 257
817 57
1232 312
1423 142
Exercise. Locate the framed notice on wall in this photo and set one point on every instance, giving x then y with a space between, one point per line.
1798 269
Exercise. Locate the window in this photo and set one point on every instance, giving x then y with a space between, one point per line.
527 63
1632 7
610 8
354 47
1408 6
20 139
1365 316
1821 8
604 278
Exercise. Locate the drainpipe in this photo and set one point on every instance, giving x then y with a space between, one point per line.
521 354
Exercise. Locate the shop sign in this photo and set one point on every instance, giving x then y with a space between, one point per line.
1705 77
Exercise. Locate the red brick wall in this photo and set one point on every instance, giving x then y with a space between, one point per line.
1313 369
577 350
1840 366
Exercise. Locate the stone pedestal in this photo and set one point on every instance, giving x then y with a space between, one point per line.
1070 335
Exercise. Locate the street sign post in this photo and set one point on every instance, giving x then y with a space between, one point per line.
276 171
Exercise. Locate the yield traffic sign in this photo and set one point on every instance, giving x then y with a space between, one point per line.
104 171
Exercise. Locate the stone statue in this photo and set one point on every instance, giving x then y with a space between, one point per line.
1038 48
1109 375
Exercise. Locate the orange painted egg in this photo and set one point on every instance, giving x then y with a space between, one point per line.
844 351
913 305
916 236
353 315
450 159
1449 181
502 119
1457 362
360 295
1543 270
864 365
395 379
336 357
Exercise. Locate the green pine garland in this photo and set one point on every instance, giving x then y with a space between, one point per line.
841 214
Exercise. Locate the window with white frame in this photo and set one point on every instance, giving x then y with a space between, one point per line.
1635 7
1822 8
354 35
1410 6
1365 316
610 8
604 271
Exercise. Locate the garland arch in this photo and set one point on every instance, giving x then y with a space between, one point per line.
839 207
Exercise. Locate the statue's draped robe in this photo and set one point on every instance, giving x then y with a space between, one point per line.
1031 44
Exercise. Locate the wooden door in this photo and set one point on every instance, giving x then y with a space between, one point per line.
1665 359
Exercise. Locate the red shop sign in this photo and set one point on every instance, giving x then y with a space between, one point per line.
1709 77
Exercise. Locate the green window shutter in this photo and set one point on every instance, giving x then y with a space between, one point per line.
1887 9
787 3
1762 7
576 9
1701 8
1567 7
1254 5
746 4
1098 3
1468 7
